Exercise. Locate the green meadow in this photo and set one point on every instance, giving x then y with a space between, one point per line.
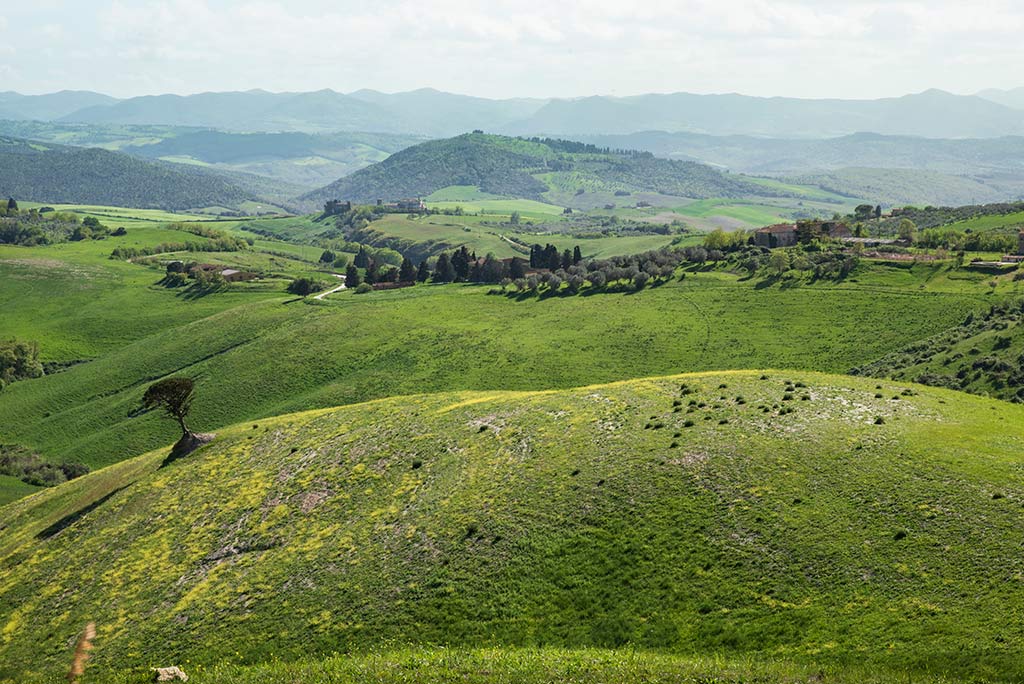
809 521
258 353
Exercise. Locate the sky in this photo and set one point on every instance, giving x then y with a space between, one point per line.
513 48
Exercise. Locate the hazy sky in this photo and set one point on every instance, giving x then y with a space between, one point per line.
804 48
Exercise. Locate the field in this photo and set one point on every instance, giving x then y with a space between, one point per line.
993 222
437 337
12 489
450 483
542 666
787 516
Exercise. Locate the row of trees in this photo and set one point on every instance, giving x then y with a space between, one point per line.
549 257
963 241
822 262
614 274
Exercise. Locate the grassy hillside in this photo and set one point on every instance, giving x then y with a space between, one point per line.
541 666
901 187
983 355
52 173
274 355
517 168
292 159
770 514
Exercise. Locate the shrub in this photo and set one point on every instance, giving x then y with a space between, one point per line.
304 286
364 288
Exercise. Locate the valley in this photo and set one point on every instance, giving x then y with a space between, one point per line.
415 387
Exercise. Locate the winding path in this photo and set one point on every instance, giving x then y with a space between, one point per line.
337 289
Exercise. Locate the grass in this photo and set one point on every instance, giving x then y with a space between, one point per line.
991 222
460 193
12 489
529 209
810 536
255 354
537 666
78 304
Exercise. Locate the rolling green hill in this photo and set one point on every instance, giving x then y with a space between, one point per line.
983 355
304 159
779 515
44 172
272 355
518 168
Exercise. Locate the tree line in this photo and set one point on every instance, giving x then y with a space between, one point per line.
44 226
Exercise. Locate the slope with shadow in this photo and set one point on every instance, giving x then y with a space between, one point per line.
780 515
44 172
515 167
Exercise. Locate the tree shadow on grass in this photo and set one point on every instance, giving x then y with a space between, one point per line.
71 518
767 282
186 445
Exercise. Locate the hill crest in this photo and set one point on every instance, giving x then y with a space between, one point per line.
694 513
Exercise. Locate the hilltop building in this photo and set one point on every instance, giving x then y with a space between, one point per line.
788 234
336 207
779 235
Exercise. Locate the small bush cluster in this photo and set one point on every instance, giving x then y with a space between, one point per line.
16 461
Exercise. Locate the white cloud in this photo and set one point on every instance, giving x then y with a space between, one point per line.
857 48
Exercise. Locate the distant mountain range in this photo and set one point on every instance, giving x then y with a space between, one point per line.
750 154
428 112
15 106
933 114
421 112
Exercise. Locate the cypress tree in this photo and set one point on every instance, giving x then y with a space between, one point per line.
372 272
551 259
352 279
460 262
444 272
577 255
515 269
566 259
407 272
362 259
423 274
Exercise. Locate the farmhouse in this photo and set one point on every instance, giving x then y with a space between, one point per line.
404 206
235 276
779 235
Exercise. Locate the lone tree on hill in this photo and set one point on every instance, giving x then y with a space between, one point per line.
173 395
